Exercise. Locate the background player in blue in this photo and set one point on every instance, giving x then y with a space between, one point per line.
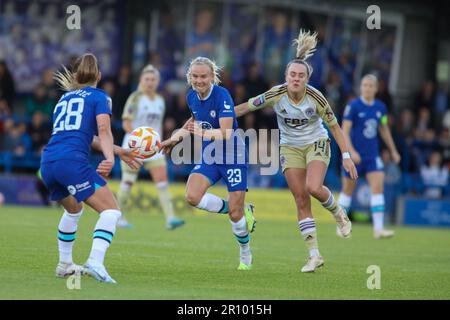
364 117
81 113
213 118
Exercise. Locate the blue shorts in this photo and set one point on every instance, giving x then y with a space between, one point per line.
235 176
65 177
366 166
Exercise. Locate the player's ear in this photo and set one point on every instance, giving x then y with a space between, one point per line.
99 76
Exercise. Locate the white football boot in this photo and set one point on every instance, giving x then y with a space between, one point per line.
313 263
343 224
63 270
98 272
383 234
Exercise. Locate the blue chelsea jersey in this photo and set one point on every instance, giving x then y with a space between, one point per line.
207 112
365 121
75 124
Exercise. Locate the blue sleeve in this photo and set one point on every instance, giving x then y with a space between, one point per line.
103 105
349 112
226 105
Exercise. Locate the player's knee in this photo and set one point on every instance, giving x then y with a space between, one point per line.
313 189
192 198
236 212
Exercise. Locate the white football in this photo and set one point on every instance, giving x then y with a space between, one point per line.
146 141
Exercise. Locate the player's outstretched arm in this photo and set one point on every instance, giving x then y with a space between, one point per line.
241 109
129 156
178 136
347 162
385 134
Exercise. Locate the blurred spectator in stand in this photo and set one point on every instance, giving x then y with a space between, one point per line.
15 139
434 176
5 113
277 47
335 94
107 85
201 42
440 106
53 91
384 95
169 126
40 101
425 98
122 90
181 112
392 171
403 135
405 123
423 145
254 82
423 119
7 85
444 146
39 131
446 119
170 46
318 60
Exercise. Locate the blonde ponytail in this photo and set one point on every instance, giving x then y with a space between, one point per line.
306 46
85 72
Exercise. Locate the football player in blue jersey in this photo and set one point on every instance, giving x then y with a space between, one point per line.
213 119
82 113
364 118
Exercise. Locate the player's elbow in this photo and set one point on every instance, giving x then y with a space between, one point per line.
104 130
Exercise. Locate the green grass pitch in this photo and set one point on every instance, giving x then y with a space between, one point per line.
199 260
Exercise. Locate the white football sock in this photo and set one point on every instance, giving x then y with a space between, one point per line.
67 229
307 228
240 231
377 209
213 203
103 235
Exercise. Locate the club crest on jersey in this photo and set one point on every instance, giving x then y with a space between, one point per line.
205 125
378 114
309 112
212 113
258 101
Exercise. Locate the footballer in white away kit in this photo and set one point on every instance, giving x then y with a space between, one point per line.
146 108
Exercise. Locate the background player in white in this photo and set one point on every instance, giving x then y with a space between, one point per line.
304 143
364 117
145 107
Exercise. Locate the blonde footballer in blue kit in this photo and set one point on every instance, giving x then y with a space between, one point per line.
304 144
213 119
146 108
